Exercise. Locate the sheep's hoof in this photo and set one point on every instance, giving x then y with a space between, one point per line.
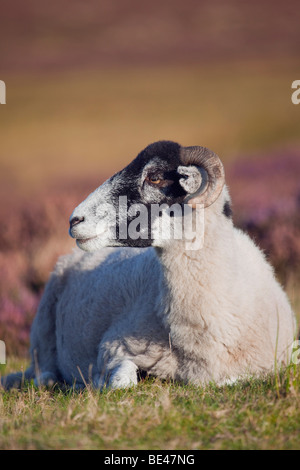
122 376
12 381
45 379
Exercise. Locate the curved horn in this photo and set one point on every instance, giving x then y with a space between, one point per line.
210 162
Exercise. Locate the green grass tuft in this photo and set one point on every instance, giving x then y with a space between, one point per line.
156 415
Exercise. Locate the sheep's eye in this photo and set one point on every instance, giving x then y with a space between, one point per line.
154 179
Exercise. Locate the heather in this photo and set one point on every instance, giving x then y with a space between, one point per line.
265 190
266 202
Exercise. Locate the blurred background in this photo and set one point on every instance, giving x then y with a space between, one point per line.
91 83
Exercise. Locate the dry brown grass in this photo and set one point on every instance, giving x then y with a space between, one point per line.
259 414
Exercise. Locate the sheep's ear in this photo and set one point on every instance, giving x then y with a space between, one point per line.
194 180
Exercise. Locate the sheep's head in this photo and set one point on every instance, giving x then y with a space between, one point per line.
162 180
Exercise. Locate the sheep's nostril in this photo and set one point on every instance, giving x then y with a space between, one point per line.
75 221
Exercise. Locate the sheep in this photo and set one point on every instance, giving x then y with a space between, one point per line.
164 305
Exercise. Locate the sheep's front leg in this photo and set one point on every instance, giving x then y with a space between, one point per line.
121 376
43 338
134 343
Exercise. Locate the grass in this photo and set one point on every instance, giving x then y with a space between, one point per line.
258 414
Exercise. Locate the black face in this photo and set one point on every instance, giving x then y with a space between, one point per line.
151 178
127 208
155 167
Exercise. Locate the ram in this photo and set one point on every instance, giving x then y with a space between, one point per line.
203 306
